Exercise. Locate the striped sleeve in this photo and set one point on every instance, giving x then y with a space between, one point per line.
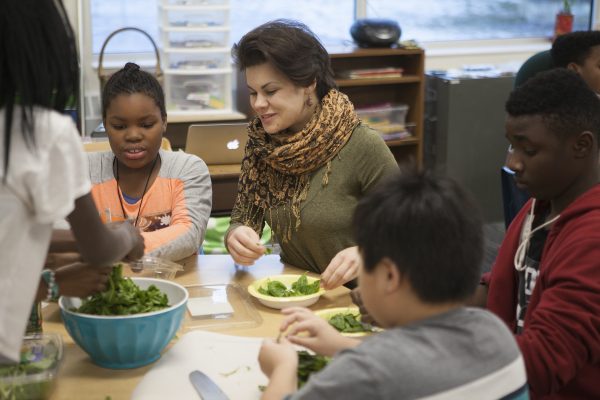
191 193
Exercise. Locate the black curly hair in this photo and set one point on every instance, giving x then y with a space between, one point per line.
129 80
292 48
565 102
574 47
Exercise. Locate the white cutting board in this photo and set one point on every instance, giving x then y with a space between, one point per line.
230 361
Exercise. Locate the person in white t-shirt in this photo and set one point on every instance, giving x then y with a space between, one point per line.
43 171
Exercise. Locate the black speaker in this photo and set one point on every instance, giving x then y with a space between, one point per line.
371 32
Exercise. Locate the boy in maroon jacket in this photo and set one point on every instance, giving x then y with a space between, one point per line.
545 283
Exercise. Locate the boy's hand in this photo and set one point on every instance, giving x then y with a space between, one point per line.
244 245
342 268
277 355
322 337
279 362
81 280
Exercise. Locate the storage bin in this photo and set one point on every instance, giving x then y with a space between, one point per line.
194 18
195 40
197 92
387 119
196 56
192 2
384 114
190 62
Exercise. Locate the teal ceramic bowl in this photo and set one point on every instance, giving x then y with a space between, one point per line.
126 341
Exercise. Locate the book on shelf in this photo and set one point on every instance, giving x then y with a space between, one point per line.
372 73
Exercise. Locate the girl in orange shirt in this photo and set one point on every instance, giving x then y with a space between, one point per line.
167 195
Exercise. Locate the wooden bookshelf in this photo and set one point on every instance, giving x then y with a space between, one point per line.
407 89
376 81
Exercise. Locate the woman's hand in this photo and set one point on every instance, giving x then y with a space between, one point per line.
342 268
244 245
322 338
81 280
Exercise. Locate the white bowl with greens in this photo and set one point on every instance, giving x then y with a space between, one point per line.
283 291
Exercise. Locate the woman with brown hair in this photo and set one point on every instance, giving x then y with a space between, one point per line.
308 159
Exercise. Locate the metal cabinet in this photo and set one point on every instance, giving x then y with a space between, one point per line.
464 135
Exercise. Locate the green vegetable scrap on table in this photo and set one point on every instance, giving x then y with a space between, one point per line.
299 288
349 323
124 297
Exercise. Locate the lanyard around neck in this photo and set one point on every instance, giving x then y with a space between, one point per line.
116 169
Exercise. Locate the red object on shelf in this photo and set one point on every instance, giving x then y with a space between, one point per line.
563 24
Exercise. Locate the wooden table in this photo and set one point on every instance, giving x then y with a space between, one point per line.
80 379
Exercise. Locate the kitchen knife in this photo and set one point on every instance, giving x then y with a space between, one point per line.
206 387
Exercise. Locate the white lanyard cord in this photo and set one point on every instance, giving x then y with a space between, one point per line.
519 259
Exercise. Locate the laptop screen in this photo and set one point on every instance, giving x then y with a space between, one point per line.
218 144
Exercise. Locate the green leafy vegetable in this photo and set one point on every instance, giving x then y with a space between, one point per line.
302 287
31 378
349 323
309 364
299 288
124 297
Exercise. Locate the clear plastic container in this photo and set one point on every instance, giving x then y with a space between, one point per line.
33 377
152 267
389 120
385 115
225 306
198 92
196 62
195 18
196 40
192 2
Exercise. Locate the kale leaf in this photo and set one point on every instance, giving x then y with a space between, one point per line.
309 364
299 288
348 323
302 287
124 297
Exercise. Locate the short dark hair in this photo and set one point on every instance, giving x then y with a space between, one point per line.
574 47
429 227
565 102
292 48
38 63
129 80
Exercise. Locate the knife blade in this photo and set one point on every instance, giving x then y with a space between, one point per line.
206 387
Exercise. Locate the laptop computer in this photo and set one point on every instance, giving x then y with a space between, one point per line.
217 144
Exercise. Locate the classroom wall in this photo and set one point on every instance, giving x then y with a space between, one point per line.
438 55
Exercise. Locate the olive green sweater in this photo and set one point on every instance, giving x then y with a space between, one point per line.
326 214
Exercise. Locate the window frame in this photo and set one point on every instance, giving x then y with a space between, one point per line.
439 55
433 48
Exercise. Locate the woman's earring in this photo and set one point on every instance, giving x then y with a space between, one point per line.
309 102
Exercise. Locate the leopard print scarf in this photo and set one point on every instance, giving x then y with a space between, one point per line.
276 169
